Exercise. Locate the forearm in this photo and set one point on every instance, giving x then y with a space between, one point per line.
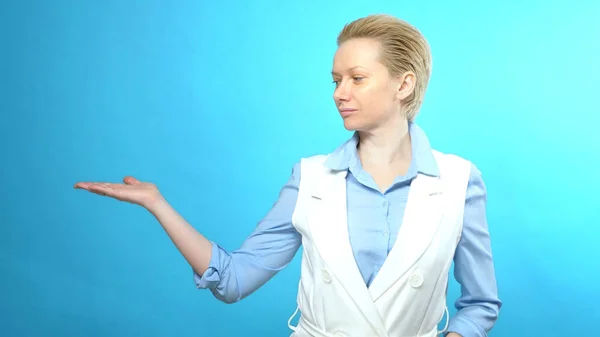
269 248
194 247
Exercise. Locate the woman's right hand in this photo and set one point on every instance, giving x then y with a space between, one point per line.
132 191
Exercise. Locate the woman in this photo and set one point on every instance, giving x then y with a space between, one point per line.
380 219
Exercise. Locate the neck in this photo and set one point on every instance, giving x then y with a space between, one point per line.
388 144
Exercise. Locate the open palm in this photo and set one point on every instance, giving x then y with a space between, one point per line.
133 191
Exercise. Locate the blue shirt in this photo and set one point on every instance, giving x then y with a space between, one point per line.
374 219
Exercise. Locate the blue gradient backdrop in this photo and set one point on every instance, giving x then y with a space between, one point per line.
216 102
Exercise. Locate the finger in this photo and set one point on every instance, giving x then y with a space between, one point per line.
82 185
130 180
105 189
85 185
97 187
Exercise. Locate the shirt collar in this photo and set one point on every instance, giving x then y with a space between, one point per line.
422 156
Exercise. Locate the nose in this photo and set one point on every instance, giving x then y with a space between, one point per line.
341 93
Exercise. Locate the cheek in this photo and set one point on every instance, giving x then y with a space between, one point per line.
377 101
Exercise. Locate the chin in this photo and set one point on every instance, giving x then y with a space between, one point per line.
350 126
354 124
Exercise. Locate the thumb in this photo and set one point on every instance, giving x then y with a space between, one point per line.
130 180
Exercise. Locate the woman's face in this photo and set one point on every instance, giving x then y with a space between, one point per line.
366 95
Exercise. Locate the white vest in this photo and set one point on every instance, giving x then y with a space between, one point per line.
408 296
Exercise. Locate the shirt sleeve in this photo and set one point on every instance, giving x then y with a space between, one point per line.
478 305
272 245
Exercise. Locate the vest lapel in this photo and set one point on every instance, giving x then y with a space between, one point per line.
421 221
329 229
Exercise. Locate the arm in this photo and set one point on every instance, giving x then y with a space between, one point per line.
479 304
231 276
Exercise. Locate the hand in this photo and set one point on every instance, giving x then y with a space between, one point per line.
133 191
453 334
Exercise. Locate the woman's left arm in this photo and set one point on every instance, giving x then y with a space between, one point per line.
479 305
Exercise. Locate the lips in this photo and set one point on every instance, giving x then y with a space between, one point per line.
346 111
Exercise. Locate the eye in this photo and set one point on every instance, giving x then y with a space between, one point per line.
358 78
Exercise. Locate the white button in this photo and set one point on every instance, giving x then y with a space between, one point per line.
326 276
385 233
416 280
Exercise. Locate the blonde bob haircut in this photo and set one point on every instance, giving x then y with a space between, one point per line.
403 48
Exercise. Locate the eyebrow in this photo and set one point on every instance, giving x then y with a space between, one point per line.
350 69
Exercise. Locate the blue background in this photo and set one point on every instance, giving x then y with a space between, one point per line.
215 102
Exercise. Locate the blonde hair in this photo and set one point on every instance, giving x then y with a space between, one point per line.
403 48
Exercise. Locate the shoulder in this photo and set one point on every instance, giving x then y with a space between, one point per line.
317 159
455 167
449 163
306 165
312 165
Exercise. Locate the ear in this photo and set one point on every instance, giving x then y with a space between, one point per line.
406 85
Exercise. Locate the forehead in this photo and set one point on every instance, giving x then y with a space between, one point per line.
357 53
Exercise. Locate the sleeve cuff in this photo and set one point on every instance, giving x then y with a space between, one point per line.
465 327
211 278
